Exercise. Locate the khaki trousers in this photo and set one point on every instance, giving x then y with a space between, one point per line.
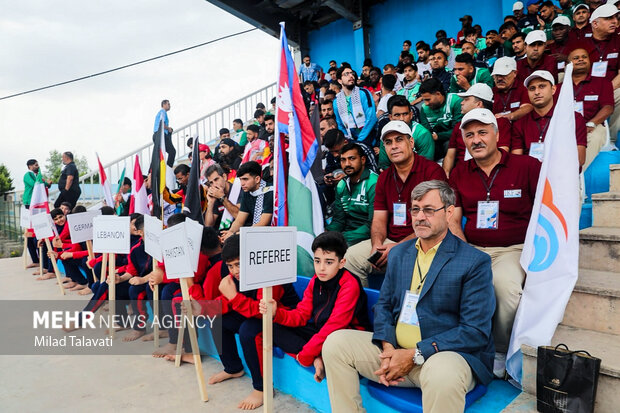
614 120
444 378
508 279
596 140
357 259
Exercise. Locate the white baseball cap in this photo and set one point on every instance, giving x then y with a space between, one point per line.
395 126
612 1
535 36
503 66
517 6
539 74
580 6
561 19
479 90
606 10
480 115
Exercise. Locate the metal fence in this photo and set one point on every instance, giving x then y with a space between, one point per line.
9 219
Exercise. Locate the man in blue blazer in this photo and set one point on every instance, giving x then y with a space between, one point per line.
432 321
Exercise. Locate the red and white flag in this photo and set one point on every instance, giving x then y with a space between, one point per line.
103 180
139 200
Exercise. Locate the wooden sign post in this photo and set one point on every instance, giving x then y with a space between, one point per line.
152 233
91 256
41 259
24 254
177 257
44 229
111 236
268 258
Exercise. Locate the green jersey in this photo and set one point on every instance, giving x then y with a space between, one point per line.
241 137
481 75
443 119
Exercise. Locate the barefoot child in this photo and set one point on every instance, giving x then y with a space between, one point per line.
237 309
333 300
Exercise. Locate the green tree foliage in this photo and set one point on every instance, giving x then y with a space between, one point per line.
6 182
53 165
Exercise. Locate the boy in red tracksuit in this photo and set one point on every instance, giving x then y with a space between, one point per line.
333 300
240 314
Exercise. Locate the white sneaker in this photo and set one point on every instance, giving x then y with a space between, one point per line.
499 366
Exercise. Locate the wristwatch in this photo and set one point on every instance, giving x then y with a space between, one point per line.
591 125
418 358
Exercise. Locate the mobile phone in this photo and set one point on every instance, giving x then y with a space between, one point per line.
375 257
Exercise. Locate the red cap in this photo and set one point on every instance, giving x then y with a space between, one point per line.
204 148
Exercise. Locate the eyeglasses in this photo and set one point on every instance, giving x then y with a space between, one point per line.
428 212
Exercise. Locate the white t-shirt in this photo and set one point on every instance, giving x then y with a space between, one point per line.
383 102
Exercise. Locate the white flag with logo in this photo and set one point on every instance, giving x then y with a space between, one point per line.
551 251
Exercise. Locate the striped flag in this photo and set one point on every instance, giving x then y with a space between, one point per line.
194 192
39 202
139 199
299 192
161 168
103 181
119 195
551 250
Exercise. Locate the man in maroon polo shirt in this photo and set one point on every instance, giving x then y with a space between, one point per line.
582 28
479 95
529 132
391 223
605 47
495 191
511 100
536 58
559 48
594 100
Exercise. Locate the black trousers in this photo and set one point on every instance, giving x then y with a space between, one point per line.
67 196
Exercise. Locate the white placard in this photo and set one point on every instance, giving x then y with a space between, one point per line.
268 257
193 230
152 234
175 249
81 225
24 217
42 225
111 234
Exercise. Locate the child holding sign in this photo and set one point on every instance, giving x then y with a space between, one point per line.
333 300
239 312
60 223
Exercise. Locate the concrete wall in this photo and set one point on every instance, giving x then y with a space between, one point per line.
393 21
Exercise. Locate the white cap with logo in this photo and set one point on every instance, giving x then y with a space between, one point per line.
539 74
561 19
518 5
480 115
606 10
535 36
504 65
395 126
479 90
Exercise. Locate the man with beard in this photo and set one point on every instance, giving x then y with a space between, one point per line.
438 64
536 58
443 44
529 21
412 84
355 109
229 154
373 84
501 186
30 179
355 196
518 46
546 17
466 75
530 131
327 109
594 100
424 58
511 100
69 182
493 51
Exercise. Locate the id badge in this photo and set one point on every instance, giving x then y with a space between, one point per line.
400 214
408 314
537 150
579 107
599 69
488 215
561 65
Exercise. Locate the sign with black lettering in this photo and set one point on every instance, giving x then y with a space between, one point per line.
193 229
268 257
81 225
176 252
111 234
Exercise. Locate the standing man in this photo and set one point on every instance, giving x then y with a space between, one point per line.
30 179
163 114
495 191
69 182
309 71
355 110
432 320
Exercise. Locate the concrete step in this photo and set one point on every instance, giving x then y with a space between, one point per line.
599 249
595 302
614 178
606 209
524 403
602 345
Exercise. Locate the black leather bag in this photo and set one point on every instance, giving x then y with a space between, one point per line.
566 380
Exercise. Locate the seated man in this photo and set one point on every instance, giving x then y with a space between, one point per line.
355 196
412 84
441 111
432 320
536 58
390 222
222 199
256 200
495 192
466 75
511 99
